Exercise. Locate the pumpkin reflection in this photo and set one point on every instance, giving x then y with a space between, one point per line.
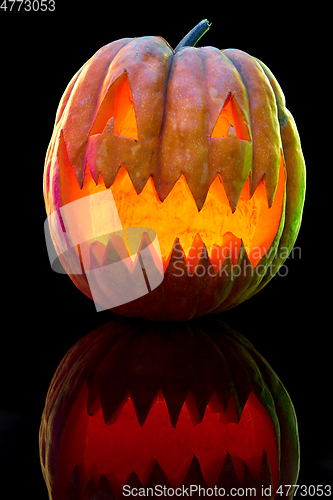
136 402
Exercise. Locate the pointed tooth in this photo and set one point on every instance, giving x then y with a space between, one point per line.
231 245
97 251
236 167
197 252
72 491
228 478
271 182
116 250
139 238
91 156
263 189
112 404
150 239
230 248
157 476
177 259
194 474
265 477
150 261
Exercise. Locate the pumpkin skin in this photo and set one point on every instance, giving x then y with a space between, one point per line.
185 403
172 160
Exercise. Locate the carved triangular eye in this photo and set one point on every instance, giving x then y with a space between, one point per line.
231 121
117 104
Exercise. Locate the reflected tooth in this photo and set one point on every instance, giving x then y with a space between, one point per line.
197 404
133 480
111 407
228 478
249 480
217 405
93 405
72 492
104 490
89 490
195 415
265 477
194 474
241 398
143 400
157 477
175 396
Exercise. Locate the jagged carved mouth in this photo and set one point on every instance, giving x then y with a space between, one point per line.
220 448
253 224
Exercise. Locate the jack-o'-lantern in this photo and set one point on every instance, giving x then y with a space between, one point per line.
195 144
143 404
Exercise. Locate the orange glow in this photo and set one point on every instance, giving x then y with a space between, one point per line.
117 104
123 446
178 216
231 115
253 222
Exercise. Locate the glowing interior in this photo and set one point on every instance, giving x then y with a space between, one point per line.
222 231
117 449
117 104
231 121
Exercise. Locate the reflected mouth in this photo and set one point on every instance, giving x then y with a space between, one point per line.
136 446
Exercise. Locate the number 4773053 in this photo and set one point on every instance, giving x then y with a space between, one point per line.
28 5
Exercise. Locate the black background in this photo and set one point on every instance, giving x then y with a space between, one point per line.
43 314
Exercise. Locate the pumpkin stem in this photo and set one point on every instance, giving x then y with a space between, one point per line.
194 35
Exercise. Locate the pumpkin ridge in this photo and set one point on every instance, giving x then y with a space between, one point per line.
264 117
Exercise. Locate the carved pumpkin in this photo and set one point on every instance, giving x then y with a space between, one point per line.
195 144
141 404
